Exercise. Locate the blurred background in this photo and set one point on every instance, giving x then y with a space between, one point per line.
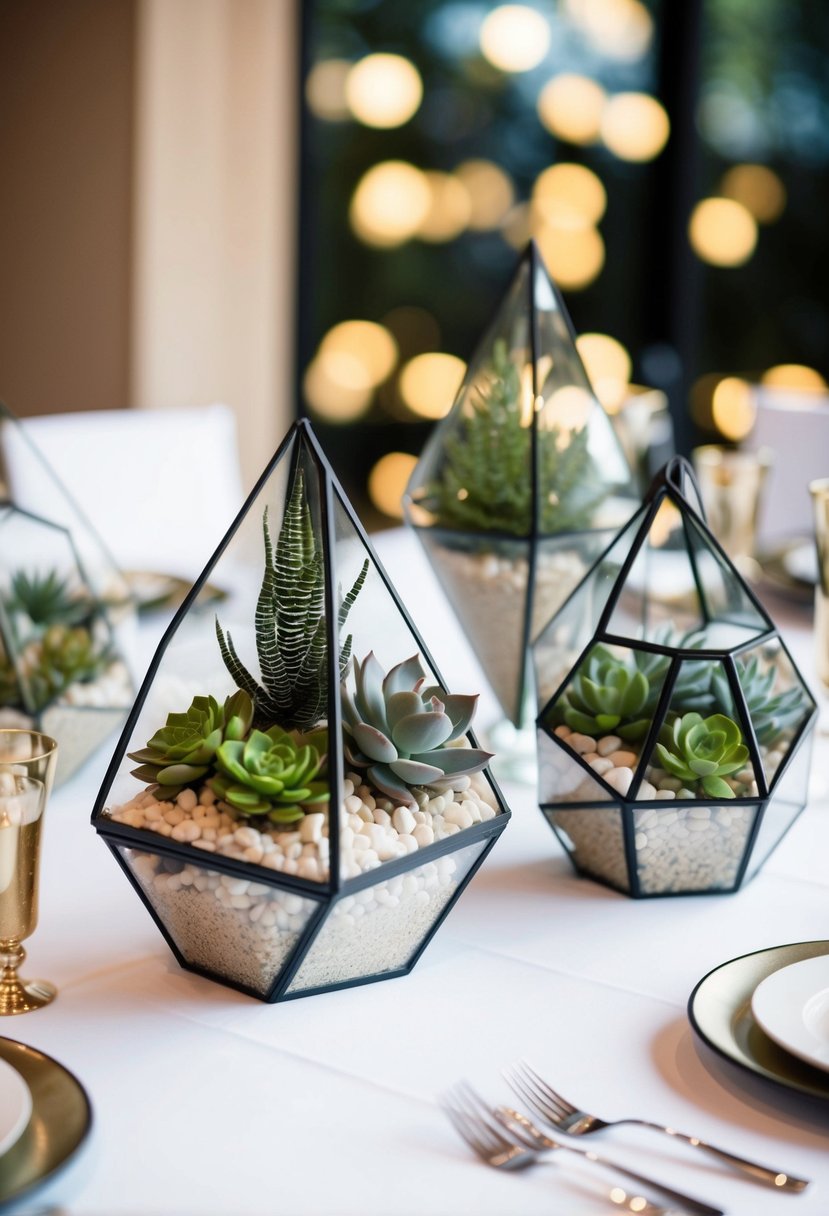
316 206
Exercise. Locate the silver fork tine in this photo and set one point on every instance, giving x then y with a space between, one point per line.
521 1078
473 1111
555 1099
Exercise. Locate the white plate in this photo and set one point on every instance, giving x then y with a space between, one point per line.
15 1106
800 562
792 1007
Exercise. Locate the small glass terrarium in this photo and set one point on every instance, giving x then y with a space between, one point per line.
674 731
296 798
521 486
61 671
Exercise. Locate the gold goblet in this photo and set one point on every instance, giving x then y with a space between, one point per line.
27 769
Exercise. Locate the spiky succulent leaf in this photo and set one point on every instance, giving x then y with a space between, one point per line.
47 599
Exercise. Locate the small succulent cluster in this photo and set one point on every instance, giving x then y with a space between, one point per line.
401 730
771 713
607 695
183 751
52 631
703 750
485 484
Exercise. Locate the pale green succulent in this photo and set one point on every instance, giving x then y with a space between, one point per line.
607 695
400 730
770 712
704 750
272 773
183 751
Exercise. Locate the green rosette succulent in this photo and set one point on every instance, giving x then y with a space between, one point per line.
401 731
272 773
63 656
704 750
184 750
607 694
692 688
770 713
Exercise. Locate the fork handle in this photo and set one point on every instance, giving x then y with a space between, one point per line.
775 1178
687 1202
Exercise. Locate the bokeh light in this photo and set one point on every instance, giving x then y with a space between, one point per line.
795 377
383 90
570 107
388 480
327 396
490 192
634 126
390 203
618 29
608 366
568 408
449 209
325 90
365 344
569 194
758 188
722 232
733 408
574 256
514 37
430 382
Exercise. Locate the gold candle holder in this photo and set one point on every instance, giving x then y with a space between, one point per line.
731 485
27 770
820 501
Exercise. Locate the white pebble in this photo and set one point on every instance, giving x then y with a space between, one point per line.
187 831
310 829
581 743
187 799
608 745
619 779
403 820
424 835
458 815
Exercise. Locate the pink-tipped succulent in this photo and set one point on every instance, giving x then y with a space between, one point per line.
401 731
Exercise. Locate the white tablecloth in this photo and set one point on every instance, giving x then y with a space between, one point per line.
208 1103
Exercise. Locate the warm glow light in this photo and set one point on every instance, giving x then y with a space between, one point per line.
733 410
569 195
722 232
570 107
390 203
794 376
574 256
450 208
634 126
568 408
325 89
490 192
429 383
517 227
619 29
329 398
608 367
365 352
514 37
387 482
758 188
383 90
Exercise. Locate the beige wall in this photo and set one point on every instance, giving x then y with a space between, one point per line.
66 107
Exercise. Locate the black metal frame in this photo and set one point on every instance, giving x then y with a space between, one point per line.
670 484
299 444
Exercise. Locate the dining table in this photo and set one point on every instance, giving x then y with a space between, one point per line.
207 1102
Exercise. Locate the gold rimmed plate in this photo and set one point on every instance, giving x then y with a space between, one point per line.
154 592
720 1013
60 1121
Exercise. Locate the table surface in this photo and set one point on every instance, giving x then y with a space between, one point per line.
208 1102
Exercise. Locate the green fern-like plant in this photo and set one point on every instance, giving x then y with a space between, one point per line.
290 625
485 484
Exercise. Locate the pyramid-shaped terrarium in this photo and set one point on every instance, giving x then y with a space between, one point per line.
522 485
675 736
295 797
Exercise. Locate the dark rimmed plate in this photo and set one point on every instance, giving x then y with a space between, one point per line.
60 1122
720 1013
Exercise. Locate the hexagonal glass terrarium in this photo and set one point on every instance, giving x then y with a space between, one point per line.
674 730
522 485
295 796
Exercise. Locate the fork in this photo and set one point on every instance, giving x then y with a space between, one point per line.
558 1112
474 1122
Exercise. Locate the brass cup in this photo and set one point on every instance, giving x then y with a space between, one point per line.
27 770
820 502
731 486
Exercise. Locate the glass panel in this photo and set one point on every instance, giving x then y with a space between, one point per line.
381 928
701 752
606 710
778 702
733 618
787 801
238 930
595 841
691 848
561 779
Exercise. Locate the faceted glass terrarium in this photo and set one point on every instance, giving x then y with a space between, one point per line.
674 728
295 797
60 669
522 485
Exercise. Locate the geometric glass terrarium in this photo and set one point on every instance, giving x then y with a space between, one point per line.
295 797
674 730
522 485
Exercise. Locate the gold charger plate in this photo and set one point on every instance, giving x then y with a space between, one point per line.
720 1014
153 592
61 1119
